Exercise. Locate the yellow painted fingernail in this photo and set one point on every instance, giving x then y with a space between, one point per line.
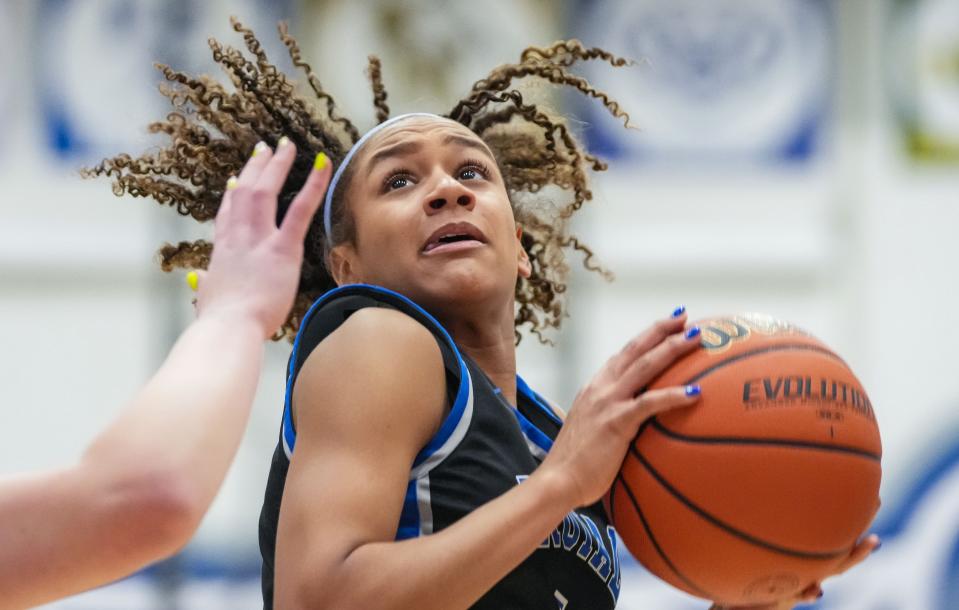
191 280
283 141
260 147
320 161
231 183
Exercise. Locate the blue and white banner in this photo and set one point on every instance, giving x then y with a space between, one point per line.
93 64
741 80
922 72
8 73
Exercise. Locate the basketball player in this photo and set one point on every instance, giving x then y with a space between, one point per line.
140 490
414 468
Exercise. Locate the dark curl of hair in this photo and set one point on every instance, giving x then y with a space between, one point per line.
213 130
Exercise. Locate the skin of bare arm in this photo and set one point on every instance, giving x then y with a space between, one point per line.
128 501
141 488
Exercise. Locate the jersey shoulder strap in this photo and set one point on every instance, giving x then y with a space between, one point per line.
334 308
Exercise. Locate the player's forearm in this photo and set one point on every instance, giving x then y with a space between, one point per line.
455 567
185 425
140 490
68 530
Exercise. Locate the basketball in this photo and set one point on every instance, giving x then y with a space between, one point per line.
764 486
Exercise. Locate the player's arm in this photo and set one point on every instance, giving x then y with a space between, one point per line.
367 400
142 487
140 490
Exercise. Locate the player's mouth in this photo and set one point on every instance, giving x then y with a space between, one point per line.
454 237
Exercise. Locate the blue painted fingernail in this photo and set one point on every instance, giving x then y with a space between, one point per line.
877 547
692 333
820 594
693 390
679 311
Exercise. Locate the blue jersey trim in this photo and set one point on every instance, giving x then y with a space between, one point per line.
537 400
534 434
456 411
410 515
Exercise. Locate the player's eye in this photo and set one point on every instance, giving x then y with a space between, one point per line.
472 169
397 179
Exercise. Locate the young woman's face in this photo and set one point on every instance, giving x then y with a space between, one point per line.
433 220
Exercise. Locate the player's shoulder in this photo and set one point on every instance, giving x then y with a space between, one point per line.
379 363
364 338
384 329
365 317
375 335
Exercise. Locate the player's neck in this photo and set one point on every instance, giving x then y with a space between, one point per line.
492 346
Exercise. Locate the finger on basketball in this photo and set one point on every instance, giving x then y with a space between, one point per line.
300 214
647 340
652 403
648 366
810 594
860 552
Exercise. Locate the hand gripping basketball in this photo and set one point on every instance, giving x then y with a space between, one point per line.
609 409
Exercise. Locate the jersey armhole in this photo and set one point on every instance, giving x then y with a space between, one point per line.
457 420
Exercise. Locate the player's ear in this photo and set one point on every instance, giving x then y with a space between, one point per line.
524 266
344 265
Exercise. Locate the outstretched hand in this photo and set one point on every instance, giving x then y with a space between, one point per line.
813 592
254 270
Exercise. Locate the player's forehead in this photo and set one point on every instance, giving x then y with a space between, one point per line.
419 130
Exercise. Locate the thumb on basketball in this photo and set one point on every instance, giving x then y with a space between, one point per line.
650 403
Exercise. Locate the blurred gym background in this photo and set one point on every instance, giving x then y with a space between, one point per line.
795 157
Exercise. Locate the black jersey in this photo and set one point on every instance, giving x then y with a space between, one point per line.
483 448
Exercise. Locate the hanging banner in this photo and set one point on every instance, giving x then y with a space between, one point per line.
7 71
431 54
93 64
922 62
742 80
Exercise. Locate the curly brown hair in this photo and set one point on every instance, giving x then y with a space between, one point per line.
213 130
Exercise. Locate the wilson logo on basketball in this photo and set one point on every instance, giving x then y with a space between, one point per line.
720 333
788 389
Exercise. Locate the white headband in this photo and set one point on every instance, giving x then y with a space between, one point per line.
328 204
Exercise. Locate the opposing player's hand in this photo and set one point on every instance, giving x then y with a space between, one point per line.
255 266
863 549
608 411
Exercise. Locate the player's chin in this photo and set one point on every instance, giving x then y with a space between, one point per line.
467 280
478 260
